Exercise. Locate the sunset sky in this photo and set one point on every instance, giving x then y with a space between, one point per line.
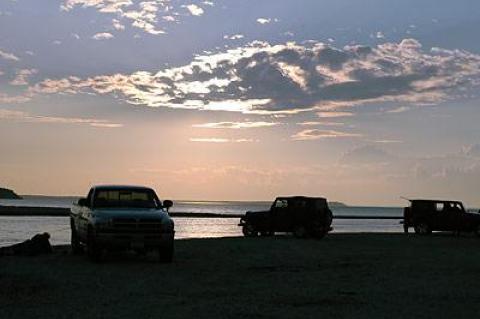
357 101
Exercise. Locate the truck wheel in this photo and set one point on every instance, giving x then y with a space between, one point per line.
249 231
94 252
75 243
165 254
300 231
477 231
422 229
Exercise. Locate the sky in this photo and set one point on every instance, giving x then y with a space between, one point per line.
358 101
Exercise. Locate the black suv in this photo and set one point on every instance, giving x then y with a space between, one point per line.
304 216
426 216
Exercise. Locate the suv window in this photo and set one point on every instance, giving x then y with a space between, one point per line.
439 207
281 203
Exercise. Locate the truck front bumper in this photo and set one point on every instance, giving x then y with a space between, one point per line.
134 241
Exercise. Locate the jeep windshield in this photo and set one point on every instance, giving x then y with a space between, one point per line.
125 198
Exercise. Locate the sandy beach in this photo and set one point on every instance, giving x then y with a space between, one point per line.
341 276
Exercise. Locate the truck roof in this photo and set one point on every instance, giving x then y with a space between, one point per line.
301 197
434 201
100 187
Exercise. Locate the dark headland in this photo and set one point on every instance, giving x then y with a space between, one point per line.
6 193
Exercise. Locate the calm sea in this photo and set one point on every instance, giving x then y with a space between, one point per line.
16 229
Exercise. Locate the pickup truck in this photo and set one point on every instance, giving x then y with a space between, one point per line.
122 218
303 216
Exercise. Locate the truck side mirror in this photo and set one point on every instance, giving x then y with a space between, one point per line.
167 204
82 202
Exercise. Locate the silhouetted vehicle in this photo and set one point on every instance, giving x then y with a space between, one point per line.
303 216
426 216
121 218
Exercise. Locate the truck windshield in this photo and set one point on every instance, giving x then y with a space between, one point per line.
125 198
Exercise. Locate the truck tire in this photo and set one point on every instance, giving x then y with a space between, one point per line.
165 254
75 242
422 229
249 230
300 231
94 252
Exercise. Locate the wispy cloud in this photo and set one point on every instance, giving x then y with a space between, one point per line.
220 140
26 117
235 125
22 76
334 114
8 56
399 109
103 36
316 134
318 123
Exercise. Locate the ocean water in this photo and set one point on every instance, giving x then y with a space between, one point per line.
17 229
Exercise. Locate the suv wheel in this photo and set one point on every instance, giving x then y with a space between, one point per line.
249 231
422 229
318 230
300 231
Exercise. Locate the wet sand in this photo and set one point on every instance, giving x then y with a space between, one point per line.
341 276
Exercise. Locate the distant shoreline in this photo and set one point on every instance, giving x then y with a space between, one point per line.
65 212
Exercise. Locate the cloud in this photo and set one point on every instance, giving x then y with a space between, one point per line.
8 56
366 154
399 109
22 76
220 140
290 78
235 125
318 123
145 15
334 114
233 37
26 117
194 9
316 134
8 99
264 20
103 36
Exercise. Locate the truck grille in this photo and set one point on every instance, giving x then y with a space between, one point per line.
132 225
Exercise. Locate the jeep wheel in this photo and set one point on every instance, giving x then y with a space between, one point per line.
300 231
422 229
249 231
75 243
94 252
318 230
165 254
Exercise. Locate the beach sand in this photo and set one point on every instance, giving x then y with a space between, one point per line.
340 276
